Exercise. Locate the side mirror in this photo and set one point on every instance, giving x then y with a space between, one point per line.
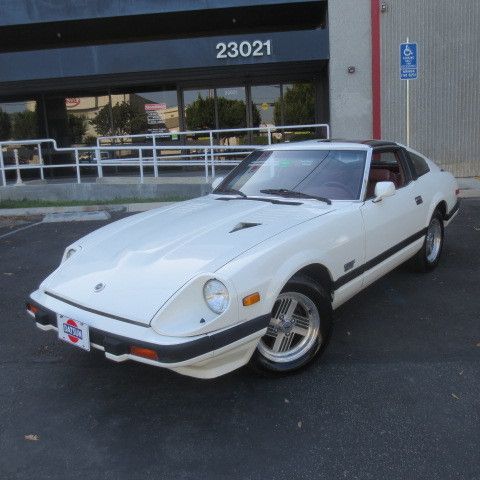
216 182
383 190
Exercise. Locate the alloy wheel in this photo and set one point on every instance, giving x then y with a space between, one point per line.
293 329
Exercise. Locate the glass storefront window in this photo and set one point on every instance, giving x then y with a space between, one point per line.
122 114
232 113
160 109
298 104
79 120
18 120
297 107
266 100
232 107
87 118
199 109
199 112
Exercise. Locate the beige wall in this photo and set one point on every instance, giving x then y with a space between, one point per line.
350 45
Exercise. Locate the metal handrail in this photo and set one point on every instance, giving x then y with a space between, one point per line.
205 157
268 129
209 155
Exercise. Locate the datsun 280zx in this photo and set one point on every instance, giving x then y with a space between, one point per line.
252 272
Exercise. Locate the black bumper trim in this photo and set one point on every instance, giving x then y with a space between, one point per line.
118 345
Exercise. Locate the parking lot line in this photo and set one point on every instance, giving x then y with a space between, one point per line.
19 229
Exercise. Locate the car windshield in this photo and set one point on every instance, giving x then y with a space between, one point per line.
328 174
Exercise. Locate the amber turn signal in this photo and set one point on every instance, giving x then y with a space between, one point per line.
144 352
32 308
251 299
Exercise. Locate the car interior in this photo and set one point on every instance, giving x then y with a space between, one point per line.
342 180
385 167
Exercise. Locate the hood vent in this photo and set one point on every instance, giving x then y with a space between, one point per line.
242 226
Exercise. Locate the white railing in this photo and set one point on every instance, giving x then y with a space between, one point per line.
154 156
269 130
207 157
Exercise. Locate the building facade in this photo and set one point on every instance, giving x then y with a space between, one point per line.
75 70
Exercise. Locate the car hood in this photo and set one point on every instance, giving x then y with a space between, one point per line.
144 259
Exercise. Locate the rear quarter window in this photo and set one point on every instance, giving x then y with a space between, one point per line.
419 165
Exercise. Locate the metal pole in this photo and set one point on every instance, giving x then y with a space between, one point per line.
213 164
211 154
408 110
19 177
269 136
140 158
155 171
205 157
2 167
99 164
77 166
40 159
408 113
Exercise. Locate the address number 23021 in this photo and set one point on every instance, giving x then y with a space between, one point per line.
257 48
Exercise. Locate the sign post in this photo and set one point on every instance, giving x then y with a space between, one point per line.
408 71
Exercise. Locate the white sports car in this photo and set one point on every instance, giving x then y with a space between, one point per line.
253 271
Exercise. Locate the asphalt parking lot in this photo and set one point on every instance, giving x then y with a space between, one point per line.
396 395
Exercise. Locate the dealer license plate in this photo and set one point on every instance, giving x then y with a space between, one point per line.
73 332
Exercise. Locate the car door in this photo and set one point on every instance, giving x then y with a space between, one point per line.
392 225
422 183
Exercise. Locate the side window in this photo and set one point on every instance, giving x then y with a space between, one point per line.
419 165
386 166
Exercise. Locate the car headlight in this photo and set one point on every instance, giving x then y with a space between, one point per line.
216 296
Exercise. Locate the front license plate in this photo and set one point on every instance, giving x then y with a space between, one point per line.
73 332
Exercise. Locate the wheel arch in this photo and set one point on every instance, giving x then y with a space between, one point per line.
437 202
319 274
442 206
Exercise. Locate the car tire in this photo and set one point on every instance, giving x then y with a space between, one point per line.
427 258
297 333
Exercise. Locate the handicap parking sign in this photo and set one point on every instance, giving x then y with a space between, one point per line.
408 61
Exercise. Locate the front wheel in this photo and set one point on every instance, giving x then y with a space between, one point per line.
299 328
429 255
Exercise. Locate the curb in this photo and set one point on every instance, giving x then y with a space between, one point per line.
128 207
469 193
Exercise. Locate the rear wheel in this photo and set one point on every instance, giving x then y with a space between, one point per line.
299 328
429 255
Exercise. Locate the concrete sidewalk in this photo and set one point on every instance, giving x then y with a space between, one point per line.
469 187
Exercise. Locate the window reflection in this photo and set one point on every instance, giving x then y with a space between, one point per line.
232 114
160 109
297 107
18 120
80 119
200 109
87 118
298 104
266 99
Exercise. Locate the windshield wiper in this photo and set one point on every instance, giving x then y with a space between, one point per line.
232 191
285 192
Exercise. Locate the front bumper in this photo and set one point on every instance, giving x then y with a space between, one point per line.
203 356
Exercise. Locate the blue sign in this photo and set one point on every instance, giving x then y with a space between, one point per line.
408 61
